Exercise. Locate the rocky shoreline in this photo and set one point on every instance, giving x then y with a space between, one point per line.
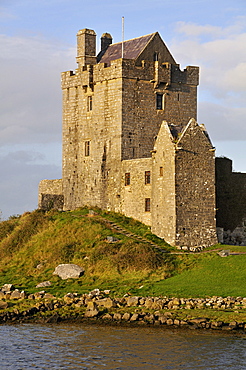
99 307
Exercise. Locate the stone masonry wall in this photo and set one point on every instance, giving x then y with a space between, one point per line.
92 179
141 120
163 186
230 202
50 194
133 195
195 189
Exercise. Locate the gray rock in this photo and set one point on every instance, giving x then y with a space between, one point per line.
91 313
134 317
68 270
107 316
95 293
39 266
106 302
91 306
117 316
3 305
16 294
126 316
224 253
132 301
43 284
49 296
112 239
7 287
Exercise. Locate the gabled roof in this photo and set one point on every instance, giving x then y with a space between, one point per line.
132 49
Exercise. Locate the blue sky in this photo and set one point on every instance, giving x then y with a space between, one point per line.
38 42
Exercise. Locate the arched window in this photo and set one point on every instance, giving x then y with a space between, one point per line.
156 57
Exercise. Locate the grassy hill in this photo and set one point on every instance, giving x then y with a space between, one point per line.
135 261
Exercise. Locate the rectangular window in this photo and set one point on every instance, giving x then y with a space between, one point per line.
159 101
127 178
89 103
87 148
147 204
147 177
161 171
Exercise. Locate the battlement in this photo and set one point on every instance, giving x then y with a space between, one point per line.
189 76
158 73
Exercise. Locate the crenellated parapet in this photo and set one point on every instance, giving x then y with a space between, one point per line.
158 73
190 75
68 79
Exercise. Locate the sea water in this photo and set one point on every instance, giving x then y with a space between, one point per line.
79 346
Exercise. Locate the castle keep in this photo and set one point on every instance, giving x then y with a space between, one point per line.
131 143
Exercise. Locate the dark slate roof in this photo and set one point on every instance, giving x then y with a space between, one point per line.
132 49
175 130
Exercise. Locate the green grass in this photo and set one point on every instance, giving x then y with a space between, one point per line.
32 245
211 276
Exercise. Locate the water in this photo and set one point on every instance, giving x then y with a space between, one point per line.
70 346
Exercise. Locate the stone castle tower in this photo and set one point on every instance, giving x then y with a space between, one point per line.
131 143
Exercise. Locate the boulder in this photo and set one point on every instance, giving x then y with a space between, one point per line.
68 271
169 322
106 302
134 317
117 316
91 313
16 294
91 306
43 284
132 301
3 305
224 253
49 296
7 287
107 316
127 316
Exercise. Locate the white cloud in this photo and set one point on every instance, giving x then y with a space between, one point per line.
20 176
196 30
30 97
30 117
221 55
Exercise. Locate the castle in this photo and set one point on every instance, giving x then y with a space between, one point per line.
131 143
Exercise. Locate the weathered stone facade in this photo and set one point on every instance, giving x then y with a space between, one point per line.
231 203
131 143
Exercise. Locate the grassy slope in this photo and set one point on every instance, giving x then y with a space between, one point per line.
32 245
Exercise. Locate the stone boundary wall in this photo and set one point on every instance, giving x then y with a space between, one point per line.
50 195
99 307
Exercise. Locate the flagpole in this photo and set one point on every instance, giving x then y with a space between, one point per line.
122 50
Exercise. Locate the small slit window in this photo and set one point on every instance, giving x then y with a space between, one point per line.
127 178
147 177
156 57
147 204
161 171
159 101
89 103
87 148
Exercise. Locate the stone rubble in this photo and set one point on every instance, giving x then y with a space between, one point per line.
99 306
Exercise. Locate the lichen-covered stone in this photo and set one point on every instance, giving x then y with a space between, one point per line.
69 271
